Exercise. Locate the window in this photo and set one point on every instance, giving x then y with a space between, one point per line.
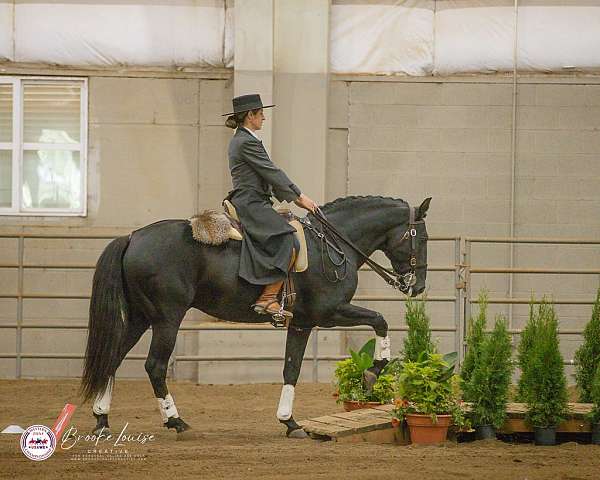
43 146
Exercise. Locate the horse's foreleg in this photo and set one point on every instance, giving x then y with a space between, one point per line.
161 347
348 315
294 352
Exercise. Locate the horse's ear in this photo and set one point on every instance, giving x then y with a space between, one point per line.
422 210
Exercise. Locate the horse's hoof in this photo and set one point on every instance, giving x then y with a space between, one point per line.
298 433
102 430
178 424
369 378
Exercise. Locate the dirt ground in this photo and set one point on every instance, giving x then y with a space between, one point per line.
236 435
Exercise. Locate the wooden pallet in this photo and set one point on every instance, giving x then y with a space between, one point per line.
375 424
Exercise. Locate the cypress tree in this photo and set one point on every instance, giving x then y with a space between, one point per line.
488 387
418 339
547 384
528 336
587 356
475 338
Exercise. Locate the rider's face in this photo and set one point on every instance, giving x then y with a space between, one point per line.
256 119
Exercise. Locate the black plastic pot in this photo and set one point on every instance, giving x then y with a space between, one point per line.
544 435
596 433
485 432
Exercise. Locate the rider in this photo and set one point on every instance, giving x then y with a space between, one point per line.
268 242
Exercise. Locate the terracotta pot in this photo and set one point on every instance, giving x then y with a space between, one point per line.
350 405
424 431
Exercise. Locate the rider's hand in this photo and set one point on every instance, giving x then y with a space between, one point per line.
305 202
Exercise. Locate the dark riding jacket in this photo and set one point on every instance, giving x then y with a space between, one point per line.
268 238
252 169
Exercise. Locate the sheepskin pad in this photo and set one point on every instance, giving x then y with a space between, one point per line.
210 227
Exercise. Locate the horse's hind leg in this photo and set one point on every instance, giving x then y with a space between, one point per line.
101 408
163 343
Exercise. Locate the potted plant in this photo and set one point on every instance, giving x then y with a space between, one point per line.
427 397
349 374
594 415
546 394
488 387
587 356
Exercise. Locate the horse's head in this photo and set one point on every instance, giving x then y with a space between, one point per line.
406 247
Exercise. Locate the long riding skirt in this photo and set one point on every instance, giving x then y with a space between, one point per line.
268 238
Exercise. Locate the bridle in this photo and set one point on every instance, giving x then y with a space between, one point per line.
400 281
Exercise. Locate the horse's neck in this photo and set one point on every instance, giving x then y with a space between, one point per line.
367 227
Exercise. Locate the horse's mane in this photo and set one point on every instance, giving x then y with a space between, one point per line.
342 201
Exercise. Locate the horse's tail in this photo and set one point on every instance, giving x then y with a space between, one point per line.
108 317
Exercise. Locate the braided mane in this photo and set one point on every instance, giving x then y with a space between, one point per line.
342 201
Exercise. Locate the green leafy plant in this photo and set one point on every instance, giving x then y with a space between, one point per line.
528 336
490 381
587 356
594 415
546 394
428 386
475 338
418 339
349 377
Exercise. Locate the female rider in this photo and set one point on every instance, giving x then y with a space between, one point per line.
268 247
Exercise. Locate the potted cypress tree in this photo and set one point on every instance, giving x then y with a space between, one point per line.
488 386
587 356
428 397
546 394
594 415
351 390
475 338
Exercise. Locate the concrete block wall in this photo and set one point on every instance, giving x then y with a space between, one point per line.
157 149
451 139
408 138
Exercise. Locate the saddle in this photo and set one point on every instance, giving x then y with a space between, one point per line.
235 232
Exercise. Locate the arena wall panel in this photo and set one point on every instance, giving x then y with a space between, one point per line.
142 33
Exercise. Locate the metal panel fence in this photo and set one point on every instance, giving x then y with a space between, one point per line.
460 297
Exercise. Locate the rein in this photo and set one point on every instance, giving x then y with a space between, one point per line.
402 282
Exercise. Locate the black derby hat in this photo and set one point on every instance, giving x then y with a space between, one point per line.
245 103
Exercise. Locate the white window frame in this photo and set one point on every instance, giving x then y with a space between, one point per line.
18 147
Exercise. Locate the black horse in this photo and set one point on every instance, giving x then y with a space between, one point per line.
153 276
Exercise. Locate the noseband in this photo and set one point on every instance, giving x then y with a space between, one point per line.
400 281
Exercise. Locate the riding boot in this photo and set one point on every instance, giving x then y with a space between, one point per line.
268 303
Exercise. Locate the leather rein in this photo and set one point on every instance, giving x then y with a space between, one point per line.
403 282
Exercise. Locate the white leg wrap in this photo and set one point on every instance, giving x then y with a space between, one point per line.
382 348
167 408
102 401
286 402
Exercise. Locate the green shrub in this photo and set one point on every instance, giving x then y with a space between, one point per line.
546 386
528 335
428 386
587 356
349 377
488 386
418 339
475 337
